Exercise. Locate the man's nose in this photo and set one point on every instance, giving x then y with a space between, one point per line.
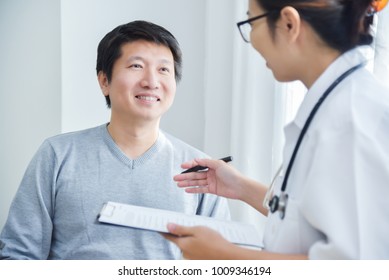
150 80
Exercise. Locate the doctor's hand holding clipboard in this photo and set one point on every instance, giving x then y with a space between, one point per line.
224 180
329 200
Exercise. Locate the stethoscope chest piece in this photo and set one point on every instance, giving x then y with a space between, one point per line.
278 203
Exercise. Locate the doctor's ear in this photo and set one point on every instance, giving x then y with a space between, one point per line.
291 22
103 82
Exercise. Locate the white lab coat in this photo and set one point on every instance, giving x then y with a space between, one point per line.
338 206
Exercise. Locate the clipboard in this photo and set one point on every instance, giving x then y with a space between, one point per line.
157 219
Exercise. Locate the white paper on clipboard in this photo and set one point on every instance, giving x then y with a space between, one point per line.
157 220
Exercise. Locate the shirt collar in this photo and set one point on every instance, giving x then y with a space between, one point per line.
338 67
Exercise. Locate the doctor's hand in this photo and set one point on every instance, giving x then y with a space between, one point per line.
220 179
200 243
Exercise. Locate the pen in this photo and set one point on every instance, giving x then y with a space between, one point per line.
199 167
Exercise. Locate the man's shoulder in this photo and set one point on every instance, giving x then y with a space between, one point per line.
89 132
80 137
180 145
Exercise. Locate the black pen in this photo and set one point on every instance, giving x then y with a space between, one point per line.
199 167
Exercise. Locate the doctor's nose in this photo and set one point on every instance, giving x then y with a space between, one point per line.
150 80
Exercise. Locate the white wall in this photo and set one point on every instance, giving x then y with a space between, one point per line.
30 86
48 82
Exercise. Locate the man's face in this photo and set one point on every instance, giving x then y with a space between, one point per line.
143 84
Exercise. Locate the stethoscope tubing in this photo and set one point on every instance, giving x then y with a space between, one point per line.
276 200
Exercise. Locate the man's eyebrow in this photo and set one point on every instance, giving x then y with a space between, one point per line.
166 61
136 57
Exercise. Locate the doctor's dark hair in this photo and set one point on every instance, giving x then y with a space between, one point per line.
109 48
341 24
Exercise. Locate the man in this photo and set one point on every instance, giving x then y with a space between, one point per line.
129 160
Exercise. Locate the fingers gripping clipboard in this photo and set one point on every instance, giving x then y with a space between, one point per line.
157 220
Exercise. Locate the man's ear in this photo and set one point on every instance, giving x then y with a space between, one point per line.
103 82
291 22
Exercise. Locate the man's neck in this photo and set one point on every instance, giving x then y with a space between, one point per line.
133 140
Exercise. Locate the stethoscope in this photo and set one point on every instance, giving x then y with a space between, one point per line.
279 203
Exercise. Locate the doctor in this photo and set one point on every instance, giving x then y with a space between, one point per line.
330 200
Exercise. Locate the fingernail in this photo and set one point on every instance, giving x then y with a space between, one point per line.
171 227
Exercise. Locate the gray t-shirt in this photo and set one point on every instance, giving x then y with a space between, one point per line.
53 215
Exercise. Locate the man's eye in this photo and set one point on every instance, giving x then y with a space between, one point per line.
135 66
165 69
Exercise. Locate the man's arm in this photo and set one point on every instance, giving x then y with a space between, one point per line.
28 229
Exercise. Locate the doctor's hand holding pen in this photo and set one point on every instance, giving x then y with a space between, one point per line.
224 180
